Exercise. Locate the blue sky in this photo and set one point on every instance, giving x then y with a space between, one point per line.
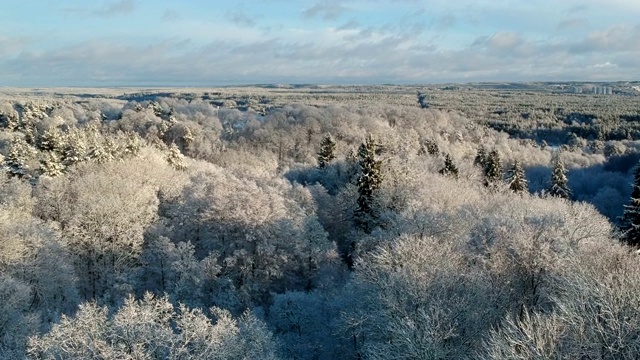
210 43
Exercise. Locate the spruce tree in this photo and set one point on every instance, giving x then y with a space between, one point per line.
51 164
327 151
20 152
75 149
431 147
481 157
449 169
630 221
52 140
493 169
559 183
369 181
100 154
516 179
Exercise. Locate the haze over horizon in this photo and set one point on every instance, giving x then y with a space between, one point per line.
212 43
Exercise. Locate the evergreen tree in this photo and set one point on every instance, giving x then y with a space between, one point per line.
630 221
559 184
449 168
51 164
187 137
18 156
481 157
175 158
11 121
369 181
133 144
75 149
430 147
99 154
516 179
52 140
493 169
327 151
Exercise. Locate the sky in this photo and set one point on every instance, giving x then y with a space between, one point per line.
48 43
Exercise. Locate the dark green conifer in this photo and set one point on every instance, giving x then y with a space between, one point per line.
481 157
516 179
559 183
431 148
369 181
493 169
327 151
449 169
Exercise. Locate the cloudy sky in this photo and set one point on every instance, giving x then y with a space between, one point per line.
227 42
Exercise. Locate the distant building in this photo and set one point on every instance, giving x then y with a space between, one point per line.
603 90
576 90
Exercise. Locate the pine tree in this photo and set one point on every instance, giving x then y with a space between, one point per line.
327 151
630 220
369 181
493 169
559 184
449 168
516 179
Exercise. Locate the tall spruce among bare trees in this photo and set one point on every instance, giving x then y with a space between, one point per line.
516 179
327 151
559 183
493 169
369 181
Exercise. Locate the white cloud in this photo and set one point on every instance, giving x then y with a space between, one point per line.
114 8
330 41
325 9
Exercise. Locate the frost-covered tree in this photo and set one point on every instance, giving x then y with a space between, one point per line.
152 328
51 164
516 179
133 144
493 169
9 119
19 156
430 147
175 158
188 137
52 140
100 154
449 169
559 183
369 181
481 157
630 221
75 148
105 210
327 151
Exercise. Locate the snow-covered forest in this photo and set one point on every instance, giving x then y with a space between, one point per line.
178 227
